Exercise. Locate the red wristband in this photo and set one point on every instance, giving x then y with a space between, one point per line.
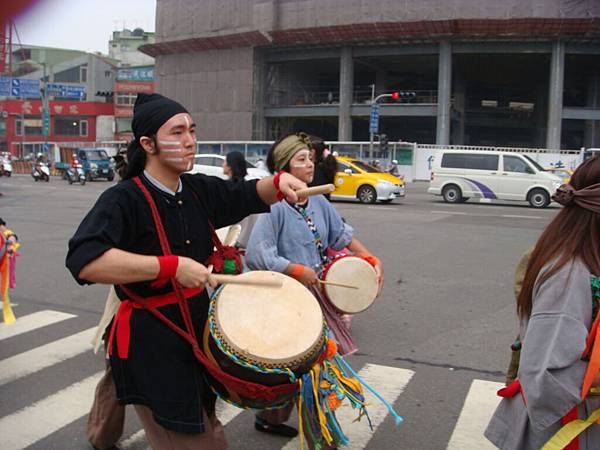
168 269
297 271
373 260
280 195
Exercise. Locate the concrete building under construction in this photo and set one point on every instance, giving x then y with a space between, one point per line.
474 72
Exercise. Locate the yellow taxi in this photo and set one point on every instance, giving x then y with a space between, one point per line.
355 179
564 174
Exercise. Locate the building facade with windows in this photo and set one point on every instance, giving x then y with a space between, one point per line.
130 81
70 121
472 72
86 118
124 47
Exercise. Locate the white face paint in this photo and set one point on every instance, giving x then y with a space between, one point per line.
174 159
171 150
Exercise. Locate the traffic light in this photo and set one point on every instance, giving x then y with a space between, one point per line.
395 95
383 142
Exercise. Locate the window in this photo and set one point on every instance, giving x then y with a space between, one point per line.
94 155
209 161
123 124
453 160
83 74
365 167
2 127
481 162
70 127
343 167
534 164
476 161
516 164
126 99
28 127
83 128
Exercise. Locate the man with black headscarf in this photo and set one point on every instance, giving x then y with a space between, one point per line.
151 228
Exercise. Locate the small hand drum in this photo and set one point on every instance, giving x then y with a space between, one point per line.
351 271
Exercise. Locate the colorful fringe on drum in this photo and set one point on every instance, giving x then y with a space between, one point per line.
322 391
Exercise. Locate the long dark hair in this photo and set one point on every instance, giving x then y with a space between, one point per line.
328 165
574 233
135 160
237 163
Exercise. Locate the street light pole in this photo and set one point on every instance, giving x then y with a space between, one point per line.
374 101
45 109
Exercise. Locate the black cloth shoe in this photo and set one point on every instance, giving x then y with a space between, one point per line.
280 430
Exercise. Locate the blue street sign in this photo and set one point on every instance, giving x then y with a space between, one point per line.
22 87
4 87
374 122
65 90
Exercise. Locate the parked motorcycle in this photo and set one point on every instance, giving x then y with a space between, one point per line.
76 174
40 171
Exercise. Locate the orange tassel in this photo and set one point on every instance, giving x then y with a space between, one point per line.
334 401
331 349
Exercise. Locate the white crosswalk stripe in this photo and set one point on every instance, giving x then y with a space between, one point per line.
389 382
43 418
480 403
45 356
32 322
48 415
225 412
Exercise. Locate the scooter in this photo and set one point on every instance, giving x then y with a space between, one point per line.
6 169
76 173
40 171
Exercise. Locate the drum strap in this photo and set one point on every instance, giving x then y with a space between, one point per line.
313 229
244 388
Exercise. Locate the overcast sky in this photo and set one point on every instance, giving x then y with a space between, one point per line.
82 24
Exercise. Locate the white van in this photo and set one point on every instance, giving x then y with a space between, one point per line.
458 175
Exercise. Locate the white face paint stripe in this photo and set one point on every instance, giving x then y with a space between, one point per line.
187 121
175 159
171 150
168 142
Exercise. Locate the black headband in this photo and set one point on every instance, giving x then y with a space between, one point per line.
150 112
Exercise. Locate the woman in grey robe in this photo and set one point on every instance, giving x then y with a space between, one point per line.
556 308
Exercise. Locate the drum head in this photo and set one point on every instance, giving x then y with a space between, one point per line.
352 271
267 324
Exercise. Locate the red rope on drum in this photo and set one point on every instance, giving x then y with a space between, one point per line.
241 387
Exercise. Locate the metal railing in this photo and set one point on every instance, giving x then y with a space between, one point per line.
302 95
319 95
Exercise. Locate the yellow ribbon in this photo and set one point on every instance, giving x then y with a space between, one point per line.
9 316
570 431
300 419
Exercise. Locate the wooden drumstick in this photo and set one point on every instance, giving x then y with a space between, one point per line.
324 189
331 283
236 279
232 235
